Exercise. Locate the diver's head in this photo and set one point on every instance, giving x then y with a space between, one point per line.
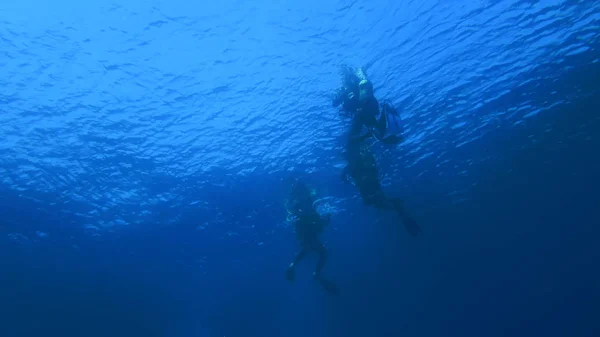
349 78
301 198
365 90
299 188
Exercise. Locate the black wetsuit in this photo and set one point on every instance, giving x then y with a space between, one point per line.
309 225
308 229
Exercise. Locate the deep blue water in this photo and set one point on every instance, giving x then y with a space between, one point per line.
147 147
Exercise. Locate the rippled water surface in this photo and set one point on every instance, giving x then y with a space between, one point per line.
100 98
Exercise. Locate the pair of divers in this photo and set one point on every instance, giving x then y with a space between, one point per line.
382 123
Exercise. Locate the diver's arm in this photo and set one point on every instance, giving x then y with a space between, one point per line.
344 96
344 113
363 136
339 96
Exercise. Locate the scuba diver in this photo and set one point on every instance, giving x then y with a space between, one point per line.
363 171
358 102
309 225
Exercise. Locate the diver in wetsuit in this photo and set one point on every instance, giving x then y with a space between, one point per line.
358 102
309 225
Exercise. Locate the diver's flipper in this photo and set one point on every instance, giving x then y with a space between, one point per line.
411 225
391 124
289 274
329 286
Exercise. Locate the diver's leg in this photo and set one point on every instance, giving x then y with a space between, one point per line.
329 286
289 272
322 259
353 141
301 254
410 224
398 205
382 202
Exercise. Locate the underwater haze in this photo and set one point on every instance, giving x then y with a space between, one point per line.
147 149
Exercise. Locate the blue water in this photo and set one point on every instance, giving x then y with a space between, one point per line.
146 149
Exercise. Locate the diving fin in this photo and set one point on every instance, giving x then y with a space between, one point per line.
289 274
411 225
392 123
329 286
